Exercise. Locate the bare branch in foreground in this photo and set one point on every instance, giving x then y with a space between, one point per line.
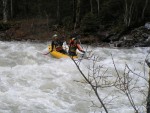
94 88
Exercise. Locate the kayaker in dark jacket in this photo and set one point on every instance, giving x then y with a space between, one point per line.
57 44
74 45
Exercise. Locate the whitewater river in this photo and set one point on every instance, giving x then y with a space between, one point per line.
34 83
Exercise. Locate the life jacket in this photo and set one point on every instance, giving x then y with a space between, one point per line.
73 45
58 45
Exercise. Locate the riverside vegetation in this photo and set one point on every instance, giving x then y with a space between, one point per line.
99 22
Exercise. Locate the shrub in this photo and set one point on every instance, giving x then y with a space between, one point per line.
4 26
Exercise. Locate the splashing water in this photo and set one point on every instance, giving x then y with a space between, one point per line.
33 83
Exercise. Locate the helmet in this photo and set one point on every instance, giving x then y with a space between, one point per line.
74 38
55 35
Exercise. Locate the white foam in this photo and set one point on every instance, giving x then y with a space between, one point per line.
34 83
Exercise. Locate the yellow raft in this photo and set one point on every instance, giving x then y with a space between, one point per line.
57 54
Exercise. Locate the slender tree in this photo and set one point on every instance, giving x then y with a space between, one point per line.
93 83
58 11
98 7
144 8
39 7
91 3
5 11
11 8
128 13
74 11
77 14
148 96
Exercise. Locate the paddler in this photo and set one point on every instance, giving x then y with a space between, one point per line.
74 44
57 43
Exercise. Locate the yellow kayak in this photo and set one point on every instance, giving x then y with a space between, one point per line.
57 54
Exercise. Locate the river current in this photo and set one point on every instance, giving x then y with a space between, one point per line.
34 83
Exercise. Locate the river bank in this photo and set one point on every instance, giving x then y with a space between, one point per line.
36 30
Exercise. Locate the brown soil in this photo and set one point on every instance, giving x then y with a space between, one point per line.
39 30
33 30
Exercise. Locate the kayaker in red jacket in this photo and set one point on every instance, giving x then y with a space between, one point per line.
74 45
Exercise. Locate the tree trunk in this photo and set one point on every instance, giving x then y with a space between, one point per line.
128 13
74 11
11 8
58 12
148 97
77 14
97 7
91 6
5 11
26 8
144 8
39 8
78 11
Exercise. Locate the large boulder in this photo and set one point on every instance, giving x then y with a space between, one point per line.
147 25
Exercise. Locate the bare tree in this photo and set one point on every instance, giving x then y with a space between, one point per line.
5 11
128 12
74 11
77 15
58 11
11 8
39 7
124 84
148 96
98 7
127 83
132 12
91 3
93 83
144 8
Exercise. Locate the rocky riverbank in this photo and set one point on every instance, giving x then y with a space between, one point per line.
39 31
138 37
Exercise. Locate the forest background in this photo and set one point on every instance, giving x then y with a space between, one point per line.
102 22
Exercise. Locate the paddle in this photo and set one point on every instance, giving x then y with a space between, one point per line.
45 51
86 55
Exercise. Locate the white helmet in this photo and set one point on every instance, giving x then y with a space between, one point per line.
55 35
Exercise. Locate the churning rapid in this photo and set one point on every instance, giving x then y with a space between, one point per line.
34 83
